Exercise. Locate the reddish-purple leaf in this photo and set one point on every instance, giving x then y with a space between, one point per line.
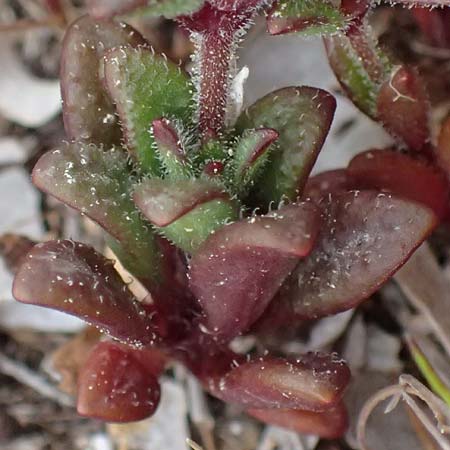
13 249
443 147
329 424
367 236
164 201
239 269
115 386
401 175
313 382
402 106
326 183
74 278
89 114
434 24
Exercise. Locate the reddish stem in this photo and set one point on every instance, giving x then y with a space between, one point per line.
218 31
216 55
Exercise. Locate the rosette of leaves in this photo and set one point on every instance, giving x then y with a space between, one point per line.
219 223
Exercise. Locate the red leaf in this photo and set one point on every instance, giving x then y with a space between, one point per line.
402 175
239 269
329 424
114 386
443 147
434 24
313 382
366 237
402 106
74 278
326 183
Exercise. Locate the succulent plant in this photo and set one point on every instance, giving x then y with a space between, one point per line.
216 215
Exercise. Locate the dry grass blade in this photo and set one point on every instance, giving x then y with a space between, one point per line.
408 388
193 445
426 287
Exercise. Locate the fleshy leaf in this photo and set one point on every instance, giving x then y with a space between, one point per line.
238 5
329 424
359 66
107 9
313 382
313 17
302 116
250 156
402 106
74 278
401 175
170 149
239 268
443 147
434 25
145 87
89 113
326 183
186 211
115 387
366 237
98 183
165 201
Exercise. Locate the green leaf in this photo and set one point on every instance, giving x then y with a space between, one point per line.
306 17
98 183
302 116
250 156
170 8
146 87
359 65
429 373
192 229
171 149
185 211
107 9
